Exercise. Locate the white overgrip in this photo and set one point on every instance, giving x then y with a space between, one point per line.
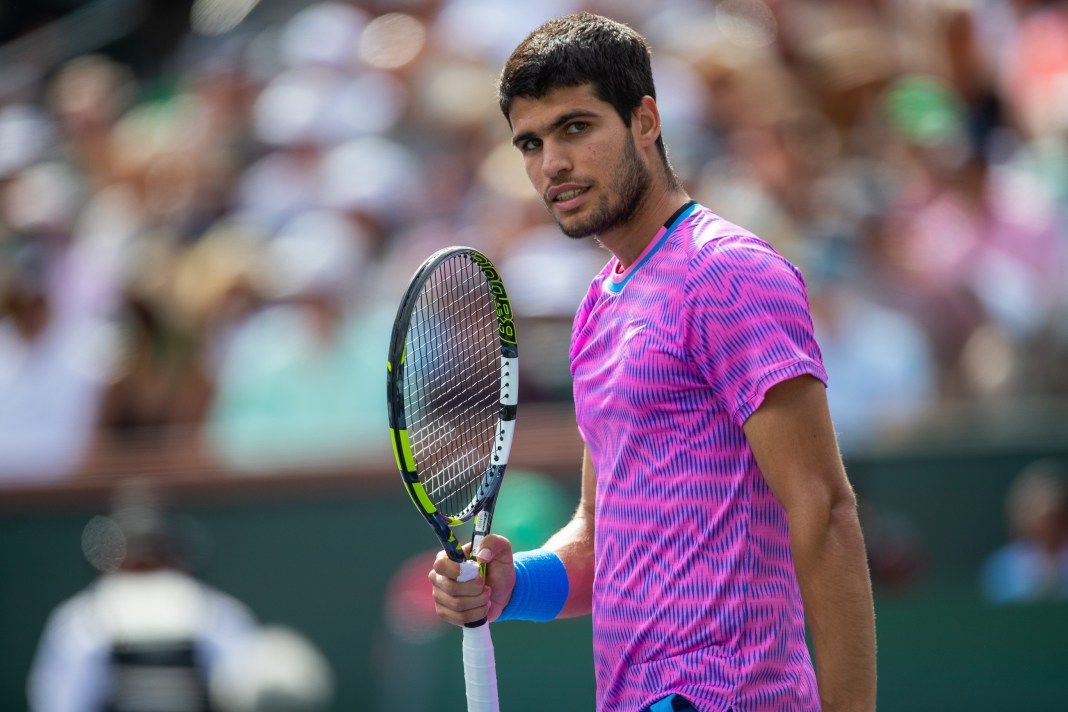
480 666
469 569
480 670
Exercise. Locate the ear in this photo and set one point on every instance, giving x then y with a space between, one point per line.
645 122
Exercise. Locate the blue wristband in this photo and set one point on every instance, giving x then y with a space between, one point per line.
541 587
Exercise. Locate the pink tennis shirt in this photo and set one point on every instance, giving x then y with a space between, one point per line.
694 590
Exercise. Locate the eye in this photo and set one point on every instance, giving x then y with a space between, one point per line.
576 127
528 145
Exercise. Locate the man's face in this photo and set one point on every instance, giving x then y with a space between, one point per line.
581 158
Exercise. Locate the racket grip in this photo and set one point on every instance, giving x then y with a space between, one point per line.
480 670
470 569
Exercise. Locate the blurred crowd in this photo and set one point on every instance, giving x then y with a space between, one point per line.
204 252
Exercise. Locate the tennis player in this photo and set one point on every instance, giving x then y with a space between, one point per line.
715 514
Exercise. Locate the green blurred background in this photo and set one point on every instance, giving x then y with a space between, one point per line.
320 558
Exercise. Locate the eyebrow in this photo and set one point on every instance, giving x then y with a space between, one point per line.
560 121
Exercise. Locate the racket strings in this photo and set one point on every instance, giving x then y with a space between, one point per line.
452 375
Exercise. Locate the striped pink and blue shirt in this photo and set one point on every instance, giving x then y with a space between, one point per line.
694 588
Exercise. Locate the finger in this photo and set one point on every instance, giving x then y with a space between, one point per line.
459 619
461 609
450 585
460 604
445 568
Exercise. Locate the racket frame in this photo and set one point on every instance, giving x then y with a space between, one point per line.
481 507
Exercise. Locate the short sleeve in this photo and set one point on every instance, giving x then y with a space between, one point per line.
749 325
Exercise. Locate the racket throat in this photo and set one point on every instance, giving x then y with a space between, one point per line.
481 529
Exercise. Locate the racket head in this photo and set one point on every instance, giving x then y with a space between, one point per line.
452 387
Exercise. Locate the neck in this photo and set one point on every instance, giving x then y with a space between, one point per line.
628 241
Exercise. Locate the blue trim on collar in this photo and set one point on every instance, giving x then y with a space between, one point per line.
617 287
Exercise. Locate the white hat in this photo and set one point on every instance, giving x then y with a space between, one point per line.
24 135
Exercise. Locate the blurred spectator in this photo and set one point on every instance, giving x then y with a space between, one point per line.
146 635
1033 66
87 96
53 362
1033 566
157 382
884 372
292 388
159 387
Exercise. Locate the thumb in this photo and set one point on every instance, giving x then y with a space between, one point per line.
494 548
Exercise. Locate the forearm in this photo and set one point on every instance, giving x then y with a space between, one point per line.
574 545
832 571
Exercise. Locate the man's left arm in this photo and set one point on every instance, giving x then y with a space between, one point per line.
793 440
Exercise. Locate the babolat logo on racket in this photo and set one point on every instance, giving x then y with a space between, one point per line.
500 297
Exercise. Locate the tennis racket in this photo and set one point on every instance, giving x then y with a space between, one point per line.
452 391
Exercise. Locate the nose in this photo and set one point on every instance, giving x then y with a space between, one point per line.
554 160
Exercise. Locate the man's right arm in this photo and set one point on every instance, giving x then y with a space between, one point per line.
460 603
574 545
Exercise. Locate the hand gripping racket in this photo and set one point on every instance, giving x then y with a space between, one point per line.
452 393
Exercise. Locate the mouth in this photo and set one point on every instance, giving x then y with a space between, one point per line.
566 197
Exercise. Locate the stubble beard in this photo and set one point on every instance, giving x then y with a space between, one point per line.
619 205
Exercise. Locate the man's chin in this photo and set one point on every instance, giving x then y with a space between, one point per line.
580 223
574 234
575 229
